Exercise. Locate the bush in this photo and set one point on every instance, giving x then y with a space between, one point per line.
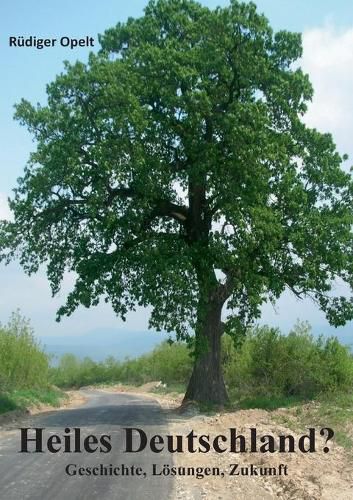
23 398
267 364
169 363
23 363
297 365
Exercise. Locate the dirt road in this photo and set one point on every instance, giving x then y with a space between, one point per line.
32 476
41 476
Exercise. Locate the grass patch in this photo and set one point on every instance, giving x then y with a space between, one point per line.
268 402
335 411
6 404
344 440
22 399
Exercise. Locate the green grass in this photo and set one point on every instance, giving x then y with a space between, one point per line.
268 402
335 411
6 404
22 399
328 410
344 440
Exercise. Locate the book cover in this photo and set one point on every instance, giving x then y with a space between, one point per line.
176 250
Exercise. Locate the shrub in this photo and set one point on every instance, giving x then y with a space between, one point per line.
23 363
267 364
297 365
169 363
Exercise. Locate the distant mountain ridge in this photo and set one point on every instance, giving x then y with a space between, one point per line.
101 343
98 344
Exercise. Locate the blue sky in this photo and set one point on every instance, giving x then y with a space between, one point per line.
327 28
26 71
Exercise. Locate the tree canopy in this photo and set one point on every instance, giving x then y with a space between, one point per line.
174 169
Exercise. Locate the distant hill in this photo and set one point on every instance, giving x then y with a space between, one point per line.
99 344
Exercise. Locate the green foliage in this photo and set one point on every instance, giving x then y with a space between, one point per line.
23 363
169 363
269 364
177 151
6 403
24 368
22 399
174 170
269 402
267 371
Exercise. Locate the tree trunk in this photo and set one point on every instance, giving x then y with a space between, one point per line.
206 384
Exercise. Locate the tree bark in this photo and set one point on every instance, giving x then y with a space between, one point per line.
206 384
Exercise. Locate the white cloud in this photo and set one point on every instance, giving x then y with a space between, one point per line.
328 59
5 212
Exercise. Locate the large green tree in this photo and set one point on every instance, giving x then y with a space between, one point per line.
174 170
